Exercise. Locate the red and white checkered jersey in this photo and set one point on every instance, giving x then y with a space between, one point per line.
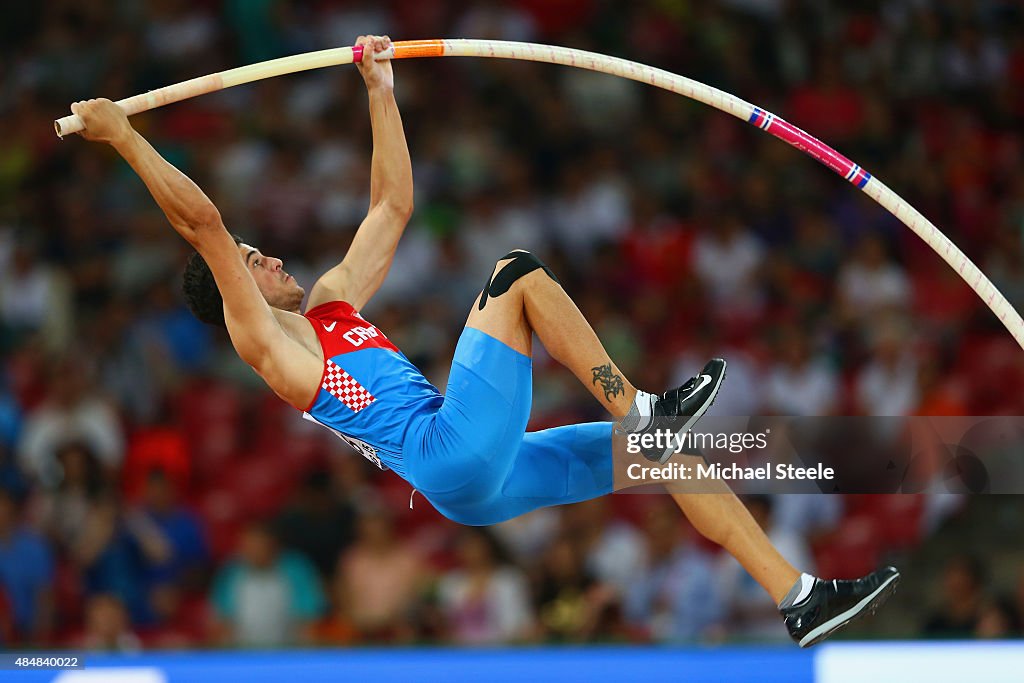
370 392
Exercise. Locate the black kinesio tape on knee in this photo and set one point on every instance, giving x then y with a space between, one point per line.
523 263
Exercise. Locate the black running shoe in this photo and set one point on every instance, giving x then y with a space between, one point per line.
831 605
679 409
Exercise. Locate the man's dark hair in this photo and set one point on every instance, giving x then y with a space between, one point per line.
200 289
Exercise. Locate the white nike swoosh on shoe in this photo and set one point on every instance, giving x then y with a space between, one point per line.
704 381
330 328
840 619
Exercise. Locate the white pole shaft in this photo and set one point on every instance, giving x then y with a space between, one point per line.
592 61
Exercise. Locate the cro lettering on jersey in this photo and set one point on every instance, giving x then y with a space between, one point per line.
357 335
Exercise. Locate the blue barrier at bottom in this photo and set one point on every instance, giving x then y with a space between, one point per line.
513 665
849 662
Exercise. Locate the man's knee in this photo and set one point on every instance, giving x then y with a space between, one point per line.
509 270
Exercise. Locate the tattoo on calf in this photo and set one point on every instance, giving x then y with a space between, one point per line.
611 382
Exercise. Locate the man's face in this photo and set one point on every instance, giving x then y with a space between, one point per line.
278 287
257 548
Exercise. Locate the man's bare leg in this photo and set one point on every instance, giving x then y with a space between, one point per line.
719 516
536 302
523 297
812 609
723 519
527 299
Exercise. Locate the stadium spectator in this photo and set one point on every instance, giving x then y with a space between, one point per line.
728 259
73 411
265 596
496 23
7 634
800 382
529 535
318 522
591 207
962 599
12 479
62 512
178 32
972 59
382 578
112 551
127 367
337 628
999 618
35 302
888 383
167 333
870 283
183 566
571 605
941 391
676 598
613 550
493 223
808 517
107 627
10 417
828 105
816 250
484 599
26 573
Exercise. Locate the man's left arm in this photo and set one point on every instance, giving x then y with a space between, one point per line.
366 264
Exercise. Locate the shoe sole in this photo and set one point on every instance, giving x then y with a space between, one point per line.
696 416
869 605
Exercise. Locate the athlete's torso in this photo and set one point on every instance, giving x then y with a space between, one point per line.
370 393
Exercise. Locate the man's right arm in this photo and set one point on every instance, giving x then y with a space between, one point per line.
247 315
290 370
186 206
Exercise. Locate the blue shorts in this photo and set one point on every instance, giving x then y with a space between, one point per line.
473 459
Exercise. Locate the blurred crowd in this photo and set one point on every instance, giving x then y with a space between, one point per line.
155 495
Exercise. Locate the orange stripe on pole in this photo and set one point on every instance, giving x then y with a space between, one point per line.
407 49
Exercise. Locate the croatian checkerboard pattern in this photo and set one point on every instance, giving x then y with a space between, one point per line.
345 388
